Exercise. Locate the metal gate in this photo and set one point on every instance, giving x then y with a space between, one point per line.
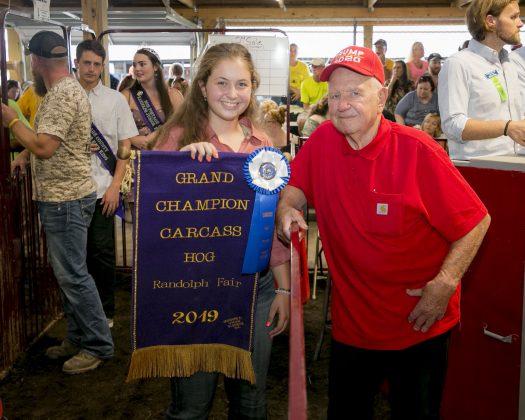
29 297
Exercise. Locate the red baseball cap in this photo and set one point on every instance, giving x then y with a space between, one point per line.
359 59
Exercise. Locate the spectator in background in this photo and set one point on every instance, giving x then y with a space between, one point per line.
177 80
271 118
432 126
29 103
388 63
113 82
181 86
479 90
416 65
26 84
312 89
13 142
316 115
13 90
298 73
399 86
434 67
125 83
413 107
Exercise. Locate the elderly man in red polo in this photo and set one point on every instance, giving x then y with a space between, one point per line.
399 227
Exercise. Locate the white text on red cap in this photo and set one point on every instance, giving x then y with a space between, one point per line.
349 55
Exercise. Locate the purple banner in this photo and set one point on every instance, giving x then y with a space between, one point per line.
192 308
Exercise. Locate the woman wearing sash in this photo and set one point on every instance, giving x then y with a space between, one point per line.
151 103
217 117
149 98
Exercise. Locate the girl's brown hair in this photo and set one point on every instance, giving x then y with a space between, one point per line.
192 115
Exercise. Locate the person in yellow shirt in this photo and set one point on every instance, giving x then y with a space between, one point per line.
28 103
298 73
312 89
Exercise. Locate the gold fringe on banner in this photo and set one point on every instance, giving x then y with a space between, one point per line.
185 360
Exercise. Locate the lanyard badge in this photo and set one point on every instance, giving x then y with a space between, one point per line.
493 77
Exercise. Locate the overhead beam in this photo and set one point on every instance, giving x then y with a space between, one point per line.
188 3
340 16
460 3
94 15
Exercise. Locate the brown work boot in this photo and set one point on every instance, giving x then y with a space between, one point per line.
81 363
66 349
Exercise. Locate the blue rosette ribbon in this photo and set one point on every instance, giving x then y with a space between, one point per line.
267 172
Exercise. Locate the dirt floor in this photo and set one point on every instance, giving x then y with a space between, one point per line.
37 389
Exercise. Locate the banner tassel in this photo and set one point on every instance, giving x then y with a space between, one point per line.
185 360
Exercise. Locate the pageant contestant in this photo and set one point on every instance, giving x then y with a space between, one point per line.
151 103
149 98
217 117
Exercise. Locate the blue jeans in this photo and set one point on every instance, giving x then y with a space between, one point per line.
66 224
192 397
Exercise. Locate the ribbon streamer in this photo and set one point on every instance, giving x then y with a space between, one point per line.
267 172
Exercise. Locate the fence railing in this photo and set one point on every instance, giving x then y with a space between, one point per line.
29 296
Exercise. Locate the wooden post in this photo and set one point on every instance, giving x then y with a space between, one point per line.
368 33
94 14
14 51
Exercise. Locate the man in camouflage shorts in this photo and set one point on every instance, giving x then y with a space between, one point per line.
65 194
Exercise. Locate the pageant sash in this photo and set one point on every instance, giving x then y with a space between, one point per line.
147 110
108 159
193 309
267 172
104 153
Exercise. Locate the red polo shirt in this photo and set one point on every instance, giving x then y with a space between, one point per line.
387 215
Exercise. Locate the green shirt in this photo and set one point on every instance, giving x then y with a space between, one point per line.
312 91
23 120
